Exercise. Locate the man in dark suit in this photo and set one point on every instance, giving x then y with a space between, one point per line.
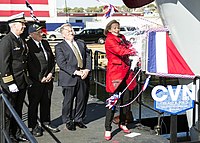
74 61
13 72
41 68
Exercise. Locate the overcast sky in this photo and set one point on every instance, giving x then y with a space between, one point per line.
87 3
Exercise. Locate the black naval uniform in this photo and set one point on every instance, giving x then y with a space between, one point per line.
13 70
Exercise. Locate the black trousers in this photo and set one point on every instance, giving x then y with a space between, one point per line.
110 112
87 95
16 100
39 94
79 93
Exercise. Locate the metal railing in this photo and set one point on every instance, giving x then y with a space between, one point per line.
97 68
4 137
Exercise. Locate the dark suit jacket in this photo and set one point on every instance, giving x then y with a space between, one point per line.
13 64
38 67
68 64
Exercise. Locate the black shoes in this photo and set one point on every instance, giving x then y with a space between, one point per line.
37 131
22 138
70 126
51 128
81 125
13 139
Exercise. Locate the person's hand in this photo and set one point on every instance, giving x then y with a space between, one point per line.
133 52
85 73
134 61
77 72
43 80
13 88
49 77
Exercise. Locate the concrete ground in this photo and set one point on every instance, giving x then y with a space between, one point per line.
95 123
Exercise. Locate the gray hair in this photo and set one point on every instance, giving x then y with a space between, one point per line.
11 24
65 25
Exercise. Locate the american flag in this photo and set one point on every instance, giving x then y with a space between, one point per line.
110 10
11 7
31 11
146 83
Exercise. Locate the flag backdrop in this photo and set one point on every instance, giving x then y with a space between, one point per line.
10 7
164 59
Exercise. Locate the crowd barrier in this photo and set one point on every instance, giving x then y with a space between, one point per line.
4 136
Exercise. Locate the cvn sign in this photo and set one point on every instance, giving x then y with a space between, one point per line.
173 99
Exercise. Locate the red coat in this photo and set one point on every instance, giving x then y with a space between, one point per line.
118 68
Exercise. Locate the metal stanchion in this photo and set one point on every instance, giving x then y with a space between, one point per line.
2 123
157 128
140 97
173 129
195 129
198 100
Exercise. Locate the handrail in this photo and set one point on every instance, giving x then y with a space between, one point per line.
22 125
96 74
196 103
96 66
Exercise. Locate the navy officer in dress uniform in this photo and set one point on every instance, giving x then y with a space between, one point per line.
13 72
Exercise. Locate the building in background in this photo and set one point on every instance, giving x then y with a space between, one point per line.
46 11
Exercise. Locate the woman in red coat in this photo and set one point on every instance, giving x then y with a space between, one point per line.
118 74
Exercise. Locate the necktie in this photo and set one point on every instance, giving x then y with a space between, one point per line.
43 51
20 41
78 56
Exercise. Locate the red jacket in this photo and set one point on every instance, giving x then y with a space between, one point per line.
118 68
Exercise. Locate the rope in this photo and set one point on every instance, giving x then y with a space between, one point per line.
113 99
130 82
143 89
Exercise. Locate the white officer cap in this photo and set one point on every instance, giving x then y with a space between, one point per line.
17 18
